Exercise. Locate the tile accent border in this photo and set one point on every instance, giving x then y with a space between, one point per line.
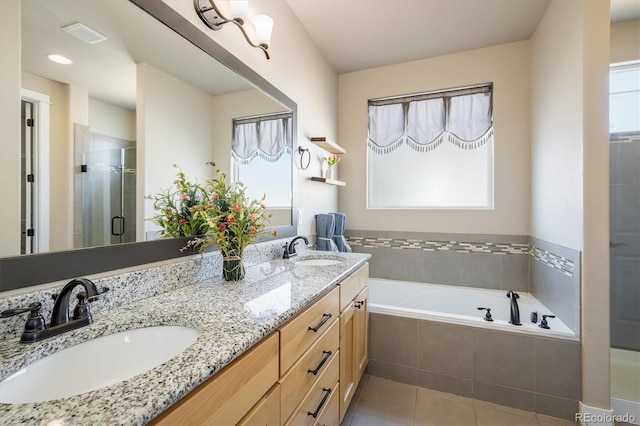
427 245
554 261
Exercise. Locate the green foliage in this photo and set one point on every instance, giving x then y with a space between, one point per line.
213 213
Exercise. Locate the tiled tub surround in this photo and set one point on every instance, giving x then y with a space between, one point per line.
525 372
230 316
500 262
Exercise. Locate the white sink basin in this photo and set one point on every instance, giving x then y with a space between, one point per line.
319 261
95 364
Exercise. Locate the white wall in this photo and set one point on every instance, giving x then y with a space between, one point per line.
110 120
508 67
10 126
299 70
625 41
570 161
174 126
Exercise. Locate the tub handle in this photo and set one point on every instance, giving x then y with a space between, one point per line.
325 318
326 354
487 316
543 323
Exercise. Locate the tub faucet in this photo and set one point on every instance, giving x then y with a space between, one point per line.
514 317
290 250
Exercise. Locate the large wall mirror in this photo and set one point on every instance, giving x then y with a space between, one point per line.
147 90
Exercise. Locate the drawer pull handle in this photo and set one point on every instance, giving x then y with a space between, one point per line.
325 318
327 354
324 401
359 304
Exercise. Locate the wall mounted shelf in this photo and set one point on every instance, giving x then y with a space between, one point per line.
328 181
328 145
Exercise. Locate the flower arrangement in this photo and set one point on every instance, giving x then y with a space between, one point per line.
177 209
213 213
332 160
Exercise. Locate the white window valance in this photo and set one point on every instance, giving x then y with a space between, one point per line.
267 137
463 117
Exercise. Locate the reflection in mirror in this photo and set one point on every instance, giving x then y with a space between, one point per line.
260 158
108 128
107 93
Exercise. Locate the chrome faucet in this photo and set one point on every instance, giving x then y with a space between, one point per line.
514 317
36 329
290 250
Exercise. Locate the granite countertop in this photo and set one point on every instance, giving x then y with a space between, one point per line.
231 318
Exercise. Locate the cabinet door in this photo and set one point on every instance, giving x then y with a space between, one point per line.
361 337
348 372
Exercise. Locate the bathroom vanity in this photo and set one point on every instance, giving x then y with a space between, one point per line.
287 341
304 373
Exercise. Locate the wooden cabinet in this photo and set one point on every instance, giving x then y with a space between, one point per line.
354 329
310 363
266 412
305 373
225 398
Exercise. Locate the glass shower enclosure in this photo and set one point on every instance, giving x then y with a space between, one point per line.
105 203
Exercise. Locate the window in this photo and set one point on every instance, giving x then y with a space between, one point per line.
261 157
431 150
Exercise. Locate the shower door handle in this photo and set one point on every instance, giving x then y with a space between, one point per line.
120 221
614 245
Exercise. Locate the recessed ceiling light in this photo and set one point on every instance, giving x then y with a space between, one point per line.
60 59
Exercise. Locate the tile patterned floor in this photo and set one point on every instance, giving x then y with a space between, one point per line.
382 402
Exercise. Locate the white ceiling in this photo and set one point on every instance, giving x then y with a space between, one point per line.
360 34
352 35
108 69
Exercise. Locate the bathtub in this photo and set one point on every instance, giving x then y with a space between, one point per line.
458 305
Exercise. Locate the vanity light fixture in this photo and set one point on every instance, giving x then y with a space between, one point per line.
59 59
213 18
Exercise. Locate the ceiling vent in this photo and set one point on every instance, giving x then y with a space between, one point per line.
84 33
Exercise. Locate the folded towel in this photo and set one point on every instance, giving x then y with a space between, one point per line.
338 236
325 225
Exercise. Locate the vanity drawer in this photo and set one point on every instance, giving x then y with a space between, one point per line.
266 412
352 285
314 399
226 397
330 415
299 379
301 332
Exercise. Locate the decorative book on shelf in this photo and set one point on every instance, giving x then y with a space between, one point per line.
328 181
328 145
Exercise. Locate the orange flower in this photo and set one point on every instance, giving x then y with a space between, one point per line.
220 234
222 225
213 196
236 207
182 221
252 218
253 229
230 219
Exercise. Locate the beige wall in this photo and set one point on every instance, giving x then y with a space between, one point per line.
299 70
174 127
508 67
111 120
10 126
570 163
625 41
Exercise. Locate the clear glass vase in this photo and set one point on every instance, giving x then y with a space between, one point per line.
232 268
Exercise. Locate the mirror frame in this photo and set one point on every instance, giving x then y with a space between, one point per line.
22 271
